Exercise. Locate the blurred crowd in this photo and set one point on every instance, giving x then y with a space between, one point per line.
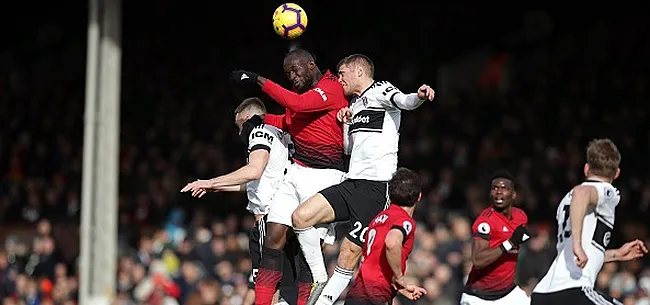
176 127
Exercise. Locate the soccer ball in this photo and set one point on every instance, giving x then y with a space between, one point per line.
289 20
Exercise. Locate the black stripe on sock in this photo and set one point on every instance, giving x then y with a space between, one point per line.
343 271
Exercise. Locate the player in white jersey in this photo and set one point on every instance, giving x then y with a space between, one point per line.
268 157
585 219
373 120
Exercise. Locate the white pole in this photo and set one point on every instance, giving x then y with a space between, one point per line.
98 266
89 150
109 143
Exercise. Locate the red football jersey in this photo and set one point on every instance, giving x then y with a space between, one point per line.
373 282
310 119
496 228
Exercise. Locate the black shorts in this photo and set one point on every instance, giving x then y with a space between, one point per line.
357 201
573 296
289 284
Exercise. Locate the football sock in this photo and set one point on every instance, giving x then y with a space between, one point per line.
304 289
310 244
269 275
304 281
334 288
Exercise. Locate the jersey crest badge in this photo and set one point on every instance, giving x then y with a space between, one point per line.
484 228
407 227
363 100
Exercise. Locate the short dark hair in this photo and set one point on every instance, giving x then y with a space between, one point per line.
302 54
358 59
404 188
603 158
251 103
503 174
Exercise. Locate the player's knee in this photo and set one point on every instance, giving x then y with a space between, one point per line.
306 214
300 217
316 210
275 236
349 255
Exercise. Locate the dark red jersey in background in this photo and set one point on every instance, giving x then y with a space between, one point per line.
497 279
310 119
373 283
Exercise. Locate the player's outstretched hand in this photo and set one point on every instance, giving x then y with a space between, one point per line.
631 250
344 115
426 93
580 257
244 77
412 292
519 236
198 188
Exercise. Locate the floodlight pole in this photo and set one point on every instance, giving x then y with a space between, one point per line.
98 265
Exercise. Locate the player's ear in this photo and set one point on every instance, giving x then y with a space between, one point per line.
360 71
514 195
618 172
312 65
586 170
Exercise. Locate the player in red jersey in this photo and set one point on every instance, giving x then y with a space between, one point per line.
498 232
310 115
310 119
388 245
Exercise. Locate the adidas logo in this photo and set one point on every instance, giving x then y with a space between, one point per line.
244 76
505 229
525 237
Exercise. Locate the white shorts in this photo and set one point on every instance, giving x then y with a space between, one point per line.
516 296
281 301
300 183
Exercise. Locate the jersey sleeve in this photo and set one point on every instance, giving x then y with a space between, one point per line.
482 228
277 120
406 226
395 98
260 138
321 97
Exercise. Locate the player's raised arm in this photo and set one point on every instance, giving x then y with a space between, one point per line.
314 100
582 197
409 101
277 120
314 89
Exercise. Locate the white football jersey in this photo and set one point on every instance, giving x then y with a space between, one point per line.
596 234
277 143
373 134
